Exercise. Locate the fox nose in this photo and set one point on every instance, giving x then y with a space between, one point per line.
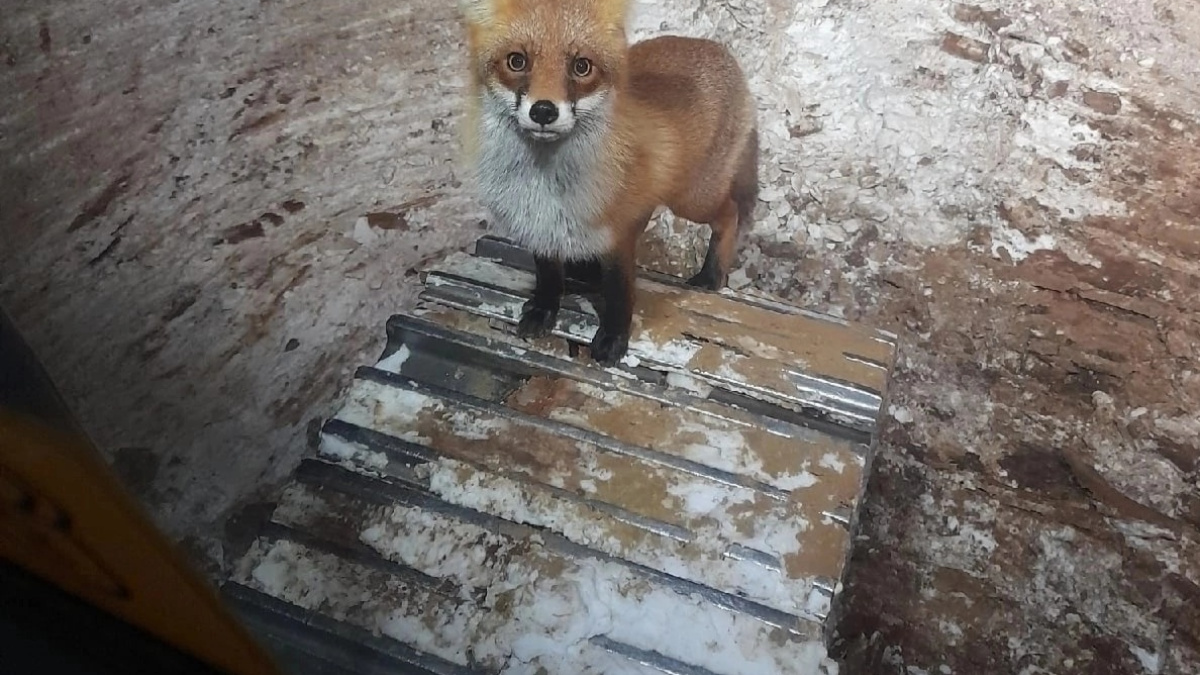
543 112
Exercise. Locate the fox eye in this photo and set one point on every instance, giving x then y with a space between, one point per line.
517 62
582 67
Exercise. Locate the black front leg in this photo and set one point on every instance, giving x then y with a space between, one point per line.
617 282
540 312
587 275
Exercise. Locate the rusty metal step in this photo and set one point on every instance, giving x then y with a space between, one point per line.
492 505
307 641
762 349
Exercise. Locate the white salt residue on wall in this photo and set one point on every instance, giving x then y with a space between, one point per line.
865 120
1018 246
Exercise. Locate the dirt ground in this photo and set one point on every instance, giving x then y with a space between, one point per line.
208 209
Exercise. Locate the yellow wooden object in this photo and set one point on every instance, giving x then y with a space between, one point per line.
65 517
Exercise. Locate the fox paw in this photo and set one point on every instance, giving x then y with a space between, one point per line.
536 321
608 348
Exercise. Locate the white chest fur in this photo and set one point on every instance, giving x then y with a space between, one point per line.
547 197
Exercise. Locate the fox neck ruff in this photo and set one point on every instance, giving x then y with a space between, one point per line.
548 197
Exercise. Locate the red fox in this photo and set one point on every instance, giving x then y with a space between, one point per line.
576 137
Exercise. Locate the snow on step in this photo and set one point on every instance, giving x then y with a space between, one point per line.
675 518
708 435
675 420
511 507
535 607
791 359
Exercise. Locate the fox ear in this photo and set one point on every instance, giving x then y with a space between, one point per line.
614 13
478 11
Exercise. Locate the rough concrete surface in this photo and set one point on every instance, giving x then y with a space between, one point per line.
210 208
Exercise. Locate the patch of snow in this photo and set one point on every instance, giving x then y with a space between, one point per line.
540 607
363 233
900 414
724 449
832 461
703 560
704 437
1181 427
688 383
672 353
698 499
392 410
977 537
395 360
1018 246
800 479
475 425
1053 134
1103 401
1151 661
352 455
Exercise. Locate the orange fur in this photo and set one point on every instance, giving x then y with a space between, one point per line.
680 131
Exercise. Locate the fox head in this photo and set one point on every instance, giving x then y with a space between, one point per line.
547 67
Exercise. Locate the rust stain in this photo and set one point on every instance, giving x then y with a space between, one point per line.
259 324
626 482
650 424
99 206
760 337
181 301
387 221
1106 494
642 489
822 552
651 491
320 378
396 217
965 48
995 20
542 395
239 233
1102 102
502 446
821 548
44 43
510 447
258 123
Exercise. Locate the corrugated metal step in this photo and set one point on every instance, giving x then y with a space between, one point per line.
742 344
484 504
